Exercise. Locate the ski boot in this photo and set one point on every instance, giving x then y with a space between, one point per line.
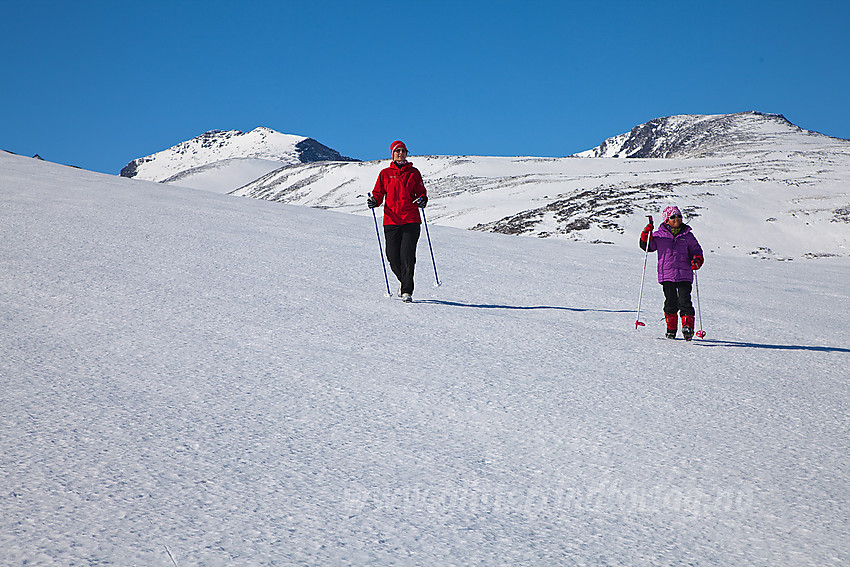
672 325
688 327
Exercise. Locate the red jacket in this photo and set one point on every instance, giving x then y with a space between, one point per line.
400 185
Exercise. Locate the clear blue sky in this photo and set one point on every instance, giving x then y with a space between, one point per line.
97 84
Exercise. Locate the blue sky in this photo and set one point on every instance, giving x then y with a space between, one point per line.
97 84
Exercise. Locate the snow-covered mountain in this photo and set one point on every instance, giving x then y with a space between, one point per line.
751 134
187 378
771 190
221 161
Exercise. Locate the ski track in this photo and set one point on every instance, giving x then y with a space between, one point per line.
222 381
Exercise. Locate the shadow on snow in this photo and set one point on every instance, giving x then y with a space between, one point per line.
519 307
706 342
715 343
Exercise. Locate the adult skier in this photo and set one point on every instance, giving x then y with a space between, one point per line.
401 190
679 255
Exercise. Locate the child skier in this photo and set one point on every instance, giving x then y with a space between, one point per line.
679 254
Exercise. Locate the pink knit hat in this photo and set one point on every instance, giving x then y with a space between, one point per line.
395 145
669 212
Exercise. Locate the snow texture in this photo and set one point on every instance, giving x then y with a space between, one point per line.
189 378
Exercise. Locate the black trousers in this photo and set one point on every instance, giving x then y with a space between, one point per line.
401 252
677 298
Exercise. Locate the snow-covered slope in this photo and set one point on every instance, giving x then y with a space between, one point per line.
222 161
753 135
192 379
782 195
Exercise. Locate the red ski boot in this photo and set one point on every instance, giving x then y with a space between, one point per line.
672 325
688 327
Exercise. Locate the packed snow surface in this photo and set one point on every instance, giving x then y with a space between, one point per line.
196 379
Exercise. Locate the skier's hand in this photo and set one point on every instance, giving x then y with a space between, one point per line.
371 202
696 262
647 230
421 201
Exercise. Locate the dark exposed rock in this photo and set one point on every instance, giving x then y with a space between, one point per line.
131 169
841 214
586 208
310 150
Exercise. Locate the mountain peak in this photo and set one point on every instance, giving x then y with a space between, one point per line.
260 150
714 135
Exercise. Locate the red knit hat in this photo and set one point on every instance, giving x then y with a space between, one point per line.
395 145
669 212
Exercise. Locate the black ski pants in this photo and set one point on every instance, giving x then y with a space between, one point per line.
401 252
677 298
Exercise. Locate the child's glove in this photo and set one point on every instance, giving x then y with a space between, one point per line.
421 201
371 202
696 262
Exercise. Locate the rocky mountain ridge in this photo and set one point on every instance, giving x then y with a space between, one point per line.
233 156
705 136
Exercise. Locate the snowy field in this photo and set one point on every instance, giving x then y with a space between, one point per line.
197 379
789 206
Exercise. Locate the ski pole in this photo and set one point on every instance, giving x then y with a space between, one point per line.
699 333
638 322
381 251
427 234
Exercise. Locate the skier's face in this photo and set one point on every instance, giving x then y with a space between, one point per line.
400 155
675 220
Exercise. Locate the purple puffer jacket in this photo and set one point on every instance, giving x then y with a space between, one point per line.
675 253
